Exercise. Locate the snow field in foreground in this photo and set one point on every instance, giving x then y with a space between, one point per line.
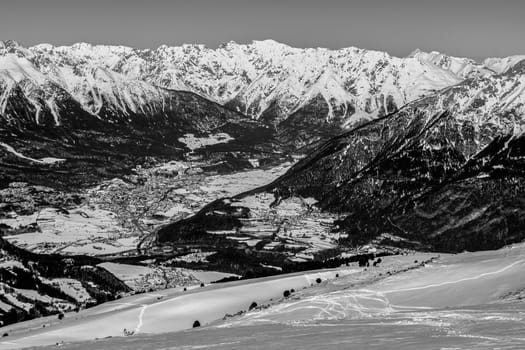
412 296
453 281
143 314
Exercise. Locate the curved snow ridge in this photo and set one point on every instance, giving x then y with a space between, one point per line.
502 65
461 280
45 160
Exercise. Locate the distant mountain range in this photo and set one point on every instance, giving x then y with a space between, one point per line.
264 79
320 90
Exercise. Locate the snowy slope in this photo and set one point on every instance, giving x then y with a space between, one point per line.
490 104
170 310
46 82
409 297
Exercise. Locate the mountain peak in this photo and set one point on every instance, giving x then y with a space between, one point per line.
415 53
517 68
269 43
9 44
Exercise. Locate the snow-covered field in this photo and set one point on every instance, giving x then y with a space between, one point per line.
116 213
455 280
294 224
166 311
84 230
473 328
193 142
211 276
236 183
143 278
461 301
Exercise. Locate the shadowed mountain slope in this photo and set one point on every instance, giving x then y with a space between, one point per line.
409 179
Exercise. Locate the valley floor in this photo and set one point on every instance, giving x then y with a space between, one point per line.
113 216
465 301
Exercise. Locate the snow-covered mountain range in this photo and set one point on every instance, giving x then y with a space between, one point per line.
264 79
425 152
293 97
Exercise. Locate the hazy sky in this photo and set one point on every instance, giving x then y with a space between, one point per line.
473 28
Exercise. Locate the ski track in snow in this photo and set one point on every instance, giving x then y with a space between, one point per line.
359 302
339 304
485 274
141 316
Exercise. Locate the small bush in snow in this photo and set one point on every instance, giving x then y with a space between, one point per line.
286 293
60 316
363 261
252 306
196 324
128 332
